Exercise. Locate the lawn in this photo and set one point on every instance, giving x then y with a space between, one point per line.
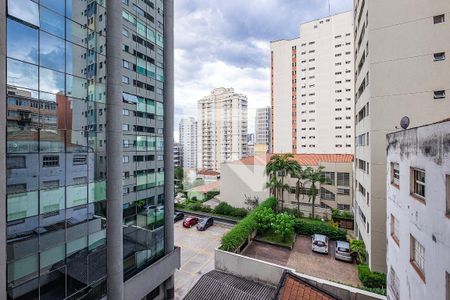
273 238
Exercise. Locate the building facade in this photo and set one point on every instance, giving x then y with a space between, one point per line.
178 155
418 212
245 179
312 88
66 215
395 44
188 139
222 128
262 127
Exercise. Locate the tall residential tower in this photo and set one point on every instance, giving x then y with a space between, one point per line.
312 88
86 159
188 139
262 128
222 128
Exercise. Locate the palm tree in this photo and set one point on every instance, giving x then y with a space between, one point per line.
298 173
314 177
272 186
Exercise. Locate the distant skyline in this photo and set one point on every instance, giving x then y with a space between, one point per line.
227 44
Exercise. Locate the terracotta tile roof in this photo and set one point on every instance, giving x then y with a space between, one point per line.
303 159
222 286
206 187
208 172
292 287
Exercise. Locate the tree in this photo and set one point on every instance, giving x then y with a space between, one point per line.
179 176
300 174
314 177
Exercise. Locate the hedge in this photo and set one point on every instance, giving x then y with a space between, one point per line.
237 236
310 227
369 279
226 209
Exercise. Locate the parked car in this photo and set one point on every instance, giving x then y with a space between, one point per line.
189 222
342 251
320 243
205 223
178 216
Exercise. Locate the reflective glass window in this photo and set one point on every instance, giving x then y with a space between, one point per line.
56 5
52 52
22 74
52 22
22 42
24 10
51 81
76 33
22 267
22 205
75 59
76 87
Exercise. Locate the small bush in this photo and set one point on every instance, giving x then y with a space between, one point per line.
226 209
237 236
283 226
358 250
369 279
310 227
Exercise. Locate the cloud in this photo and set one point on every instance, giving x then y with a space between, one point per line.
226 44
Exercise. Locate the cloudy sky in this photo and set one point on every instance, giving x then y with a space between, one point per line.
225 43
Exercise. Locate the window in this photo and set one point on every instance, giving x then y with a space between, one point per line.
394 230
326 194
418 183
330 177
447 195
343 179
439 56
79 160
125 80
343 206
50 161
125 127
16 162
125 159
394 285
417 257
341 191
439 94
395 174
439 19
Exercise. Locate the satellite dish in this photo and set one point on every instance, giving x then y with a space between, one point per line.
404 122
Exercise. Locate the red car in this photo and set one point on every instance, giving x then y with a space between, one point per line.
189 222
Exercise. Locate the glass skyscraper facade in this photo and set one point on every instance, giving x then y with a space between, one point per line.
56 164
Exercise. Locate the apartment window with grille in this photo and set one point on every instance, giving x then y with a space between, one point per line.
439 19
50 161
418 183
79 160
326 194
330 177
439 94
395 230
394 285
343 179
341 191
439 56
395 174
417 257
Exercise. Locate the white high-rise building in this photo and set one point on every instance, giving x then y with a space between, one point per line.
222 128
312 88
402 69
262 127
188 140
418 212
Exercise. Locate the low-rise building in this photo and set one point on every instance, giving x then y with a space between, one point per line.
246 178
418 212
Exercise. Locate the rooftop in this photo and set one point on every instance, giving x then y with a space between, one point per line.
208 172
213 186
293 287
302 159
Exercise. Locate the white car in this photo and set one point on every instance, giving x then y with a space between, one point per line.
320 243
343 251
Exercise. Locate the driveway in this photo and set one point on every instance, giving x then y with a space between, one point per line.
197 254
303 260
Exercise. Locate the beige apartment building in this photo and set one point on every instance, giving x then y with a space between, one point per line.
222 128
262 128
188 139
312 84
245 178
401 70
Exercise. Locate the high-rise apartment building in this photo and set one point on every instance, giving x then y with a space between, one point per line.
188 139
401 70
86 163
312 88
178 155
222 128
262 127
418 212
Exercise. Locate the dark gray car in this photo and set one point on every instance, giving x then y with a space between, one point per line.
205 223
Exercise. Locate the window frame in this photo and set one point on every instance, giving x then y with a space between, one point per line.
417 258
415 183
395 180
395 230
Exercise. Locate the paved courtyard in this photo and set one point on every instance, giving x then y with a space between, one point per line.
197 254
303 260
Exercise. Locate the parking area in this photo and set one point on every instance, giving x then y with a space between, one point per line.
303 260
197 254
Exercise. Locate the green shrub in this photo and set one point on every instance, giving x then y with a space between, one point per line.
310 227
264 219
342 214
226 209
293 212
358 250
283 226
369 279
237 236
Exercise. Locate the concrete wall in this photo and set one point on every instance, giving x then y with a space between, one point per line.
269 273
426 148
